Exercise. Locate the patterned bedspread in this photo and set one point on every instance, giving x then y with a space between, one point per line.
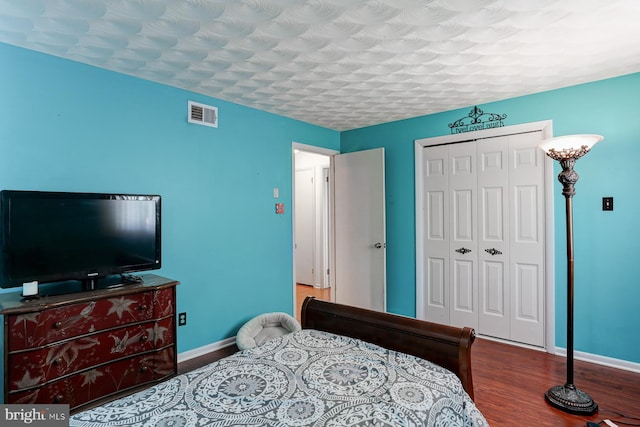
308 378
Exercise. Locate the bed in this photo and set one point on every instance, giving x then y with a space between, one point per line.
347 367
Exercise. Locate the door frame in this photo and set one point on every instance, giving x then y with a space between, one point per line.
546 127
317 150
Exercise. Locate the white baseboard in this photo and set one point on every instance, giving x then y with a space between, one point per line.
200 351
601 360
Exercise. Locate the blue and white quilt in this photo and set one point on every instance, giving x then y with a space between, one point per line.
307 378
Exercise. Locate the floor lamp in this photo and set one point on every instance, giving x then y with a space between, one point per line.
566 150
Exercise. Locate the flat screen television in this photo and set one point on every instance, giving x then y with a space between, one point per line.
60 236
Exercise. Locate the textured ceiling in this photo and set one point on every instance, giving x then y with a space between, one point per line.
341 64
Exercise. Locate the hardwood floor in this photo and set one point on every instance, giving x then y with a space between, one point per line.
510 382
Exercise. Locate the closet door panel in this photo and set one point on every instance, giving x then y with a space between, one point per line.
526 178
493 253
463 242
437 220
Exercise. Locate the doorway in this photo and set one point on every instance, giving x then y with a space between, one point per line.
311 223
311 218
351 211
480 291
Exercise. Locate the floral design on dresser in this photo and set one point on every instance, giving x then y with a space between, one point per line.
90 377
159 332
67 353
26 381
120 306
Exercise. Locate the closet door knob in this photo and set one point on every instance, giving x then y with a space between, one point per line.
463 250
493 251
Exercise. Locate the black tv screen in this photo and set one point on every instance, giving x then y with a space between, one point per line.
55 236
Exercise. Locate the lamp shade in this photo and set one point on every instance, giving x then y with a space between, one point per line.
569 146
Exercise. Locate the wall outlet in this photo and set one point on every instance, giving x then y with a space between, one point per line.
182 319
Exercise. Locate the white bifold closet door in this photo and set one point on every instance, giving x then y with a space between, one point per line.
484 243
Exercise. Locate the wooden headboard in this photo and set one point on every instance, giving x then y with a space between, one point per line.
447 346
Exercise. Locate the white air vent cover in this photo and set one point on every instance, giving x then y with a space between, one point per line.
203 114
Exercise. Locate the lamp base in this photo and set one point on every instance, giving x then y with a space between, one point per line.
570 399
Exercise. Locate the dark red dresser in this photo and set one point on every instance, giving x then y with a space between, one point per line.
85 347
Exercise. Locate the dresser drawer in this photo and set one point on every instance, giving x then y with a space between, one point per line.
39 328
100 382
33 367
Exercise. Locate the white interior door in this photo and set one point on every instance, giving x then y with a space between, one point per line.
304 226
360 244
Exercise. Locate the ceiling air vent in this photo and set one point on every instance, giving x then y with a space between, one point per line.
203 114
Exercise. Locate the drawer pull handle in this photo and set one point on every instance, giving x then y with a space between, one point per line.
59 398
144 369
144 338
143 307
57 325
58 361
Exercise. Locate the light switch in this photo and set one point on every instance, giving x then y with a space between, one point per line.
276 192
607 203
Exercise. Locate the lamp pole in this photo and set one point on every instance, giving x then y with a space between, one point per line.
570 287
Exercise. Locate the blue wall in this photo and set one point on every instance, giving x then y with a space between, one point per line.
65 126
607 271
68 126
